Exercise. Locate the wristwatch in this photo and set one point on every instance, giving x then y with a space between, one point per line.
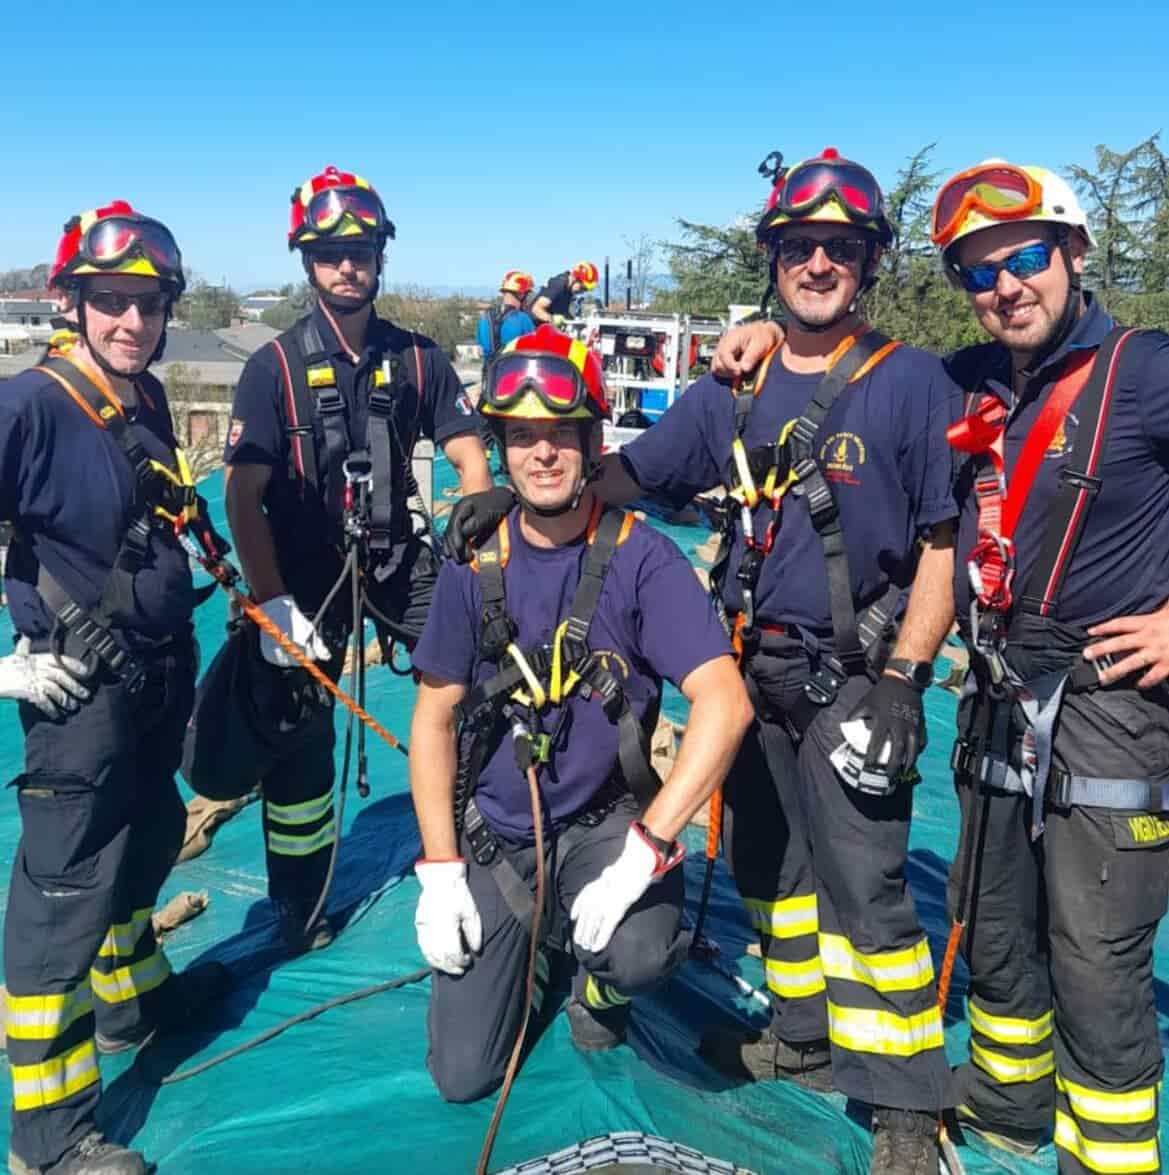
921 673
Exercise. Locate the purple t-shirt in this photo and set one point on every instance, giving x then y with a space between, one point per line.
653 616
882 450
1121 566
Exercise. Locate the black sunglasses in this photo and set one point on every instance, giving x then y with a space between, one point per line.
335 252
115 303
839 250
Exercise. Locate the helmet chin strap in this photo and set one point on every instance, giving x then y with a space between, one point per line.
592 472
99 359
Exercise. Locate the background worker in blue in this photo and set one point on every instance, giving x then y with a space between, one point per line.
554 297
1069 886
507 318
611 859
101 596
820 863
340 383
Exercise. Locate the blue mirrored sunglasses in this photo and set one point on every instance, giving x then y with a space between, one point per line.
1022 264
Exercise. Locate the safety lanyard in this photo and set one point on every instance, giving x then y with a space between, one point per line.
991 561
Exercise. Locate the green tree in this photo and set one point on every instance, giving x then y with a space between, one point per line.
207 307
711 267
298 297
448 321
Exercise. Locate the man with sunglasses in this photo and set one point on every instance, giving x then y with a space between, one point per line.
1062 596
587 609
332 407
836 464
101 597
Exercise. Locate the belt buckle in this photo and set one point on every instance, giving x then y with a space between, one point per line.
824 685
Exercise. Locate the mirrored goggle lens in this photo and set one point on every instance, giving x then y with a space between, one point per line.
993 189
111 240
553 380
326 208
810 183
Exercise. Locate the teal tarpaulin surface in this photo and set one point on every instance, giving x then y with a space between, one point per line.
349 1091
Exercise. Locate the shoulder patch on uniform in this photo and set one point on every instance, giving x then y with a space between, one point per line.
235 432
463 404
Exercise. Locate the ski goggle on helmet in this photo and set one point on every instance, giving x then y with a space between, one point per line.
828 189
117 239
337 204
997 192
545 376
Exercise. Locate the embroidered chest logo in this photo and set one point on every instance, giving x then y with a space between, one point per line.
1064 439
841 457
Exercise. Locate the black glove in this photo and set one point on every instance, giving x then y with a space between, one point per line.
474 519
894 712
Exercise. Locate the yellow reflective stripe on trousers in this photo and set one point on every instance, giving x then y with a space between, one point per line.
1106 1157
302 813
905 970
864 1030
1012 1070
49 1082
600 996
122 937
1008 1029
286 845
792 980
128 983
1098 1105
45 1017
789 918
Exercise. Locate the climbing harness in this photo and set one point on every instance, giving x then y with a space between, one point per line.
982 755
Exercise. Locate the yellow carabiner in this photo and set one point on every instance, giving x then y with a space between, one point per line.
770 490
535 689
743 468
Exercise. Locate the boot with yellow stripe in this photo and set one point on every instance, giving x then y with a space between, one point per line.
598 1014
93 1155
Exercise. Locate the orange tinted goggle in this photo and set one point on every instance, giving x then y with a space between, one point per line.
999 191
556 381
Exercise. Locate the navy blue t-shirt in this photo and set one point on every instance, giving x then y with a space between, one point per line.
882 449
558 291
653 616
1121 566
67 488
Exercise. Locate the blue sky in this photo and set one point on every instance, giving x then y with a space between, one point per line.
526 136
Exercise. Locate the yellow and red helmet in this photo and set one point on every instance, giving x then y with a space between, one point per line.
515 281
337 204
117 239
827 189
586 273
545 375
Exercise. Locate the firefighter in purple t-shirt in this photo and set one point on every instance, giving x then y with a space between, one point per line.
546 658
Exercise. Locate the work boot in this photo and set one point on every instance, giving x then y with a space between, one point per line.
905 1142
292 929
763 1056
595 1030
189 993
91 1156
1016 1140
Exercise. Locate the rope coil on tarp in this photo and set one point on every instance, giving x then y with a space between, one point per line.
626 1148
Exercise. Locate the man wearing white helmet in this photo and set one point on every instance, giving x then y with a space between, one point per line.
1061 588
1060 766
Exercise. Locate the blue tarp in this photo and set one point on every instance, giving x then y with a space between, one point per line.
349 1091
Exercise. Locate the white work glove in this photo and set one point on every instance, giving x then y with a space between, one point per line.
54 687
447 920
601 905
295 625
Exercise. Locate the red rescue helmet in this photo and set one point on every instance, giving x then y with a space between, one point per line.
545 375
337 204
585 272
117 239
515 281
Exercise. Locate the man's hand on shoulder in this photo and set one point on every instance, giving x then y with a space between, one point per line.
743 348
474 519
